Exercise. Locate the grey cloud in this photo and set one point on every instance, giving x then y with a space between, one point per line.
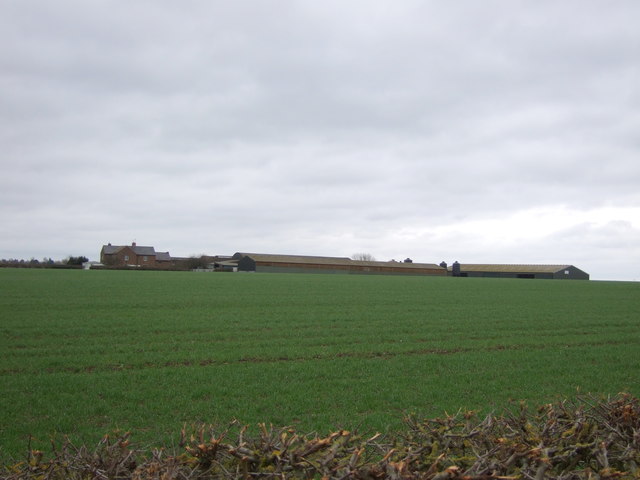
312 127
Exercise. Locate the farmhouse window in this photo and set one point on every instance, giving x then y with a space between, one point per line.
566 272
126 258
144 259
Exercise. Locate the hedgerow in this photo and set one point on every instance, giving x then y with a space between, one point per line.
581 438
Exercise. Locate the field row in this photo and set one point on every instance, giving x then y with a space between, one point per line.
382 351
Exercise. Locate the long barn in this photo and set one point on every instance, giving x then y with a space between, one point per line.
261 262
556 272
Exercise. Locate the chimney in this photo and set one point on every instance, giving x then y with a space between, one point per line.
133 244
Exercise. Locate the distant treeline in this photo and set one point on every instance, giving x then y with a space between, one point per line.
69 262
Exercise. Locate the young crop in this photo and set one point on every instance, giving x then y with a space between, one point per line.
93 351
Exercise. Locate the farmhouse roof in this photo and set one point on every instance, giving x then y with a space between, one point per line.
507 268
137 249
140 250
163 256
111 249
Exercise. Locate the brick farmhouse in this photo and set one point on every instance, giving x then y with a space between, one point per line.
133 255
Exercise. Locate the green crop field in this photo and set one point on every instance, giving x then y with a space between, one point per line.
87 352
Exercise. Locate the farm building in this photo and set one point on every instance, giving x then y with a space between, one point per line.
562 272
259 262
133 255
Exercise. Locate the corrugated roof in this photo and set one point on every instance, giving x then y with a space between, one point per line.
227 263
408 265
315 260
268 257
475 267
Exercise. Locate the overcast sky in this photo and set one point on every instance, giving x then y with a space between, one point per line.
478 131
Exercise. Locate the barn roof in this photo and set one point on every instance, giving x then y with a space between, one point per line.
315 260
268 257
408 265
507 268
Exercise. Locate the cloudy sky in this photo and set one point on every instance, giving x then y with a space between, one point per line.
484 132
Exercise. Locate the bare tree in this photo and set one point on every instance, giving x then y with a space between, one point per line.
365 257
197 261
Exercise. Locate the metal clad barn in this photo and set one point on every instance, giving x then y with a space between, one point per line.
262 262
557 272
396 268
257 262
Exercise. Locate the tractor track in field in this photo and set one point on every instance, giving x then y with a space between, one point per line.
315 357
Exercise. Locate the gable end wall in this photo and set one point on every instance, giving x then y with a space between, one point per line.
573 274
